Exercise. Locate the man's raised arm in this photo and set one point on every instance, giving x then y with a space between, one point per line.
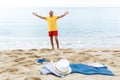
65 13
35 14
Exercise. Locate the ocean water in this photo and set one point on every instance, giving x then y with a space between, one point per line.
83 27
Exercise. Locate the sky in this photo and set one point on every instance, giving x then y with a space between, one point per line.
59 3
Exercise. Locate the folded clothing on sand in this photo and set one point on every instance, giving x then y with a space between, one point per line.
63 67
77 68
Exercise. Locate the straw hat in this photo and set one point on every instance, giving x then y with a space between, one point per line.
62 66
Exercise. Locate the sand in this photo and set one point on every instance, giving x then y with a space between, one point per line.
20 64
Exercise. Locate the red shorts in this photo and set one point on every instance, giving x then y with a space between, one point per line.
53 33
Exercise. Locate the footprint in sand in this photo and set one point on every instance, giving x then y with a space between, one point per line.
32 78
116 54
67 51
19 59
13 70
7 79
14 55
103 60
106 51
3 70
45 50
97 55
91 50
27 63
17 51
116 51
29 53
33 50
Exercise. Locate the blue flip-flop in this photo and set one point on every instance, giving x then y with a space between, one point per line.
41 60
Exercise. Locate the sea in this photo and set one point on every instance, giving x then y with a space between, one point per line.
83 27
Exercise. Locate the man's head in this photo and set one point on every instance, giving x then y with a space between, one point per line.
51 13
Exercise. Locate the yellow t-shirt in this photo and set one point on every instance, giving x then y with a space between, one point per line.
52 23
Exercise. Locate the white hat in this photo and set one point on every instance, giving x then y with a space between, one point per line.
62 66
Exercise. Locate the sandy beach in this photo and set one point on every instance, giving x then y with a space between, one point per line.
20 64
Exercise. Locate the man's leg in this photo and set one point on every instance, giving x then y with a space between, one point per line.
57 42
51 40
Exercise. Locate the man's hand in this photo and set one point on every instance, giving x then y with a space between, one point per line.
34 13
66 12
38 15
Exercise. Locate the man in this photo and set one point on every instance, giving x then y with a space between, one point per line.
52 26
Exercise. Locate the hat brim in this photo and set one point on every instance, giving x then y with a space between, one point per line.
50 67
